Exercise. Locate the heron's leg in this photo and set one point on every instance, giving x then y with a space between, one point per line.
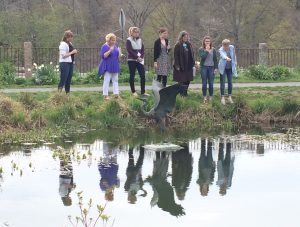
162 125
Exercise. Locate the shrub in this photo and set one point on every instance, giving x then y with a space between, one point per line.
20 81
7 73
45 74
92 77
279 72
262 72
259 72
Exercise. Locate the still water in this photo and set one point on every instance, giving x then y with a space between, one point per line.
208 181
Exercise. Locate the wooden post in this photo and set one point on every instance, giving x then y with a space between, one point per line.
263 54
28 59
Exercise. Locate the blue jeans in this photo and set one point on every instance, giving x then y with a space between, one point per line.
207 74
66 72
228 73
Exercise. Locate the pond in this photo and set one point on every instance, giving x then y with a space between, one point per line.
218 180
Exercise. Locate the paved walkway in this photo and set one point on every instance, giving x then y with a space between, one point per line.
126 88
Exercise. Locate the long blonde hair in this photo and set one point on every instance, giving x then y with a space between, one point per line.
133 29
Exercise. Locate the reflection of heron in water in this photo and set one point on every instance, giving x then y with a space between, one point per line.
163 193
164 101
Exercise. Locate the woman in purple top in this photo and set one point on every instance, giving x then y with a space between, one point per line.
109 66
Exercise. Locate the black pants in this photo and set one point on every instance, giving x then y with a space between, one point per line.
163 79
184 88
66 72
133 66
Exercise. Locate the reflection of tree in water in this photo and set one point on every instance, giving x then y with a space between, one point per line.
108 168
206 167
225 168
66 183
182 169
163 192
134 182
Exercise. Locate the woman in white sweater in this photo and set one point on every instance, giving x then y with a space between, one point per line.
66 59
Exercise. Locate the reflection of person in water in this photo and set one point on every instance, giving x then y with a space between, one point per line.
225 168
66 183
182 169
108 168
134 182
163 195
206 167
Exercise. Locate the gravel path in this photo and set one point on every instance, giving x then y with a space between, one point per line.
126 88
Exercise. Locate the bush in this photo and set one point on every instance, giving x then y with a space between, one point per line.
279 72
262 72
259 72
20 81
7 73
92 77
45 74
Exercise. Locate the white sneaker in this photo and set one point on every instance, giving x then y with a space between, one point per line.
223 100
135 94
230 100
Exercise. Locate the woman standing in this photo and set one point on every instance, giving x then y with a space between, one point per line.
227 67
66 59
135 58
183 62
208 67
161 58
109 66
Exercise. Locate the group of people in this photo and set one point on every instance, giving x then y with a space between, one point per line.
184 66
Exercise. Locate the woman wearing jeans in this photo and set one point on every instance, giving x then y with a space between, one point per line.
109 66
227 67
135 58
66 58
209 66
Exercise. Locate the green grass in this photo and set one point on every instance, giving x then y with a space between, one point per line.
54 112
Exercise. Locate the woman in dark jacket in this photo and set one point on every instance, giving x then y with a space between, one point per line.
183 62
161 58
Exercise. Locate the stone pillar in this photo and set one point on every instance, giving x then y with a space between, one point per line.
263 54
28 59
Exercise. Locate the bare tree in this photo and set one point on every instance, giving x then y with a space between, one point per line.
139 11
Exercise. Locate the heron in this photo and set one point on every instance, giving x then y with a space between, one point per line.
164 102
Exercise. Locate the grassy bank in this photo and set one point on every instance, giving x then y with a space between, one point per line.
40 115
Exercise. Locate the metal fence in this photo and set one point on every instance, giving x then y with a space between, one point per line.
88 57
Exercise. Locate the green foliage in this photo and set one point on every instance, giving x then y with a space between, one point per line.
62 115
290 106
46 74
92 77
18 119
7 73
262 104
28 101
20 81
279 72
262 72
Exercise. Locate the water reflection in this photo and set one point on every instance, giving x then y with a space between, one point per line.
225 167
182 168
66 184
134 182
206 167
108 168
160 183
163 193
